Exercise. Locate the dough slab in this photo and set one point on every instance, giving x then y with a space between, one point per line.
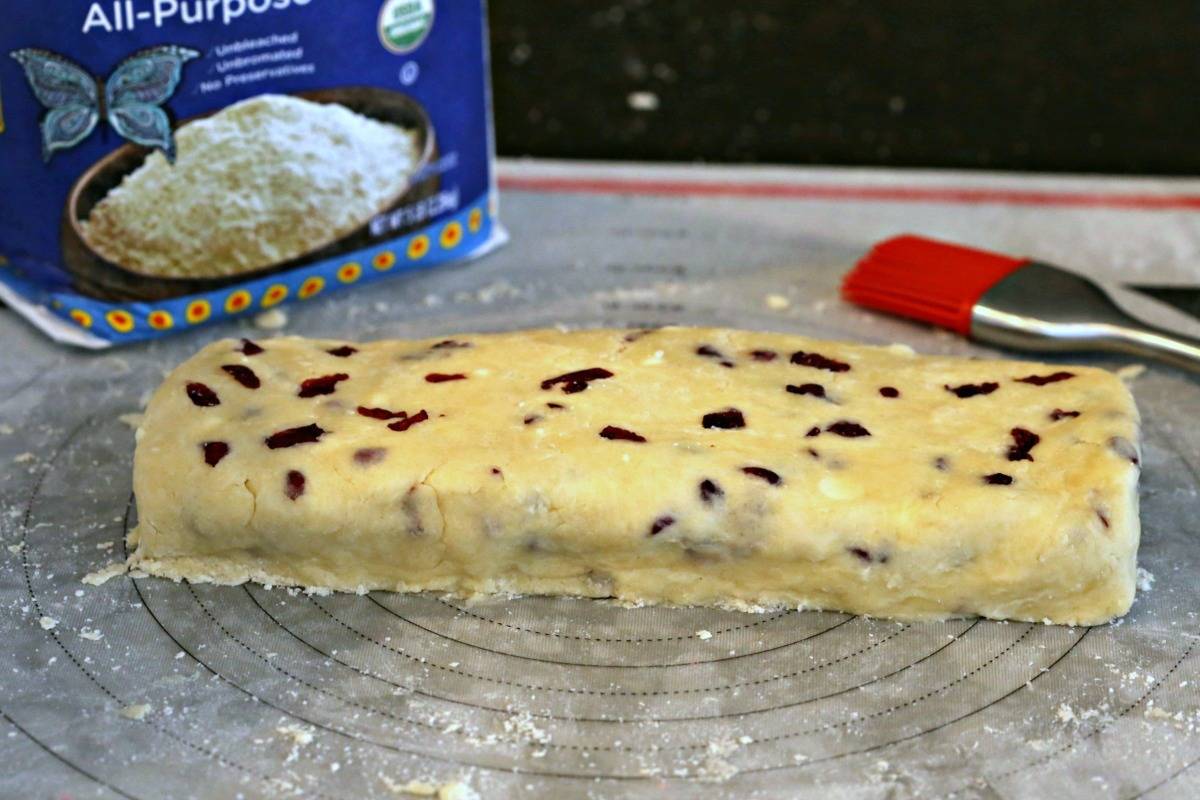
689 466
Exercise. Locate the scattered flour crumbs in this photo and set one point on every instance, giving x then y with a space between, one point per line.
298 735
260 182
1145 579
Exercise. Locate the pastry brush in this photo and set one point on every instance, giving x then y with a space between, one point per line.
1013 302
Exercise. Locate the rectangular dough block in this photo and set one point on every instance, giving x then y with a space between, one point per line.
689 466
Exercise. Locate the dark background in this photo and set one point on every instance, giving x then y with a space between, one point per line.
1002 84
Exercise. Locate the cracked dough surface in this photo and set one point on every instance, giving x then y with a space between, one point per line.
677 467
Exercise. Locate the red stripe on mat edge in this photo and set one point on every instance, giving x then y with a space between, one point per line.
816 191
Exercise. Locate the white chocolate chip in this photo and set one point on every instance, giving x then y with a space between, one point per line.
271 320
837 488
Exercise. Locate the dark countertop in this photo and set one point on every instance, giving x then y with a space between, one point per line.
1008 84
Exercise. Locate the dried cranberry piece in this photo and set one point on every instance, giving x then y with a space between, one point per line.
941 464
863 554
532 418
290 437
729 419
1023 442
763 355
249 348
708 351
243 375
813 389
442 377
851 430
1103 518
633 336
889 391
369 455
326 384
818 361
577 381
972 389
661 524
214 452
812 452
496 471
201 395
709 491
1058 414
620 434
998 479
380 413
555 406
1042 380
449 344
765 474
345 351
294 485
813 431
408 422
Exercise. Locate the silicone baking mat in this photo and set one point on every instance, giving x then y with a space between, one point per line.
143 688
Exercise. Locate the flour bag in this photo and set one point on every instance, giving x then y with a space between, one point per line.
166 163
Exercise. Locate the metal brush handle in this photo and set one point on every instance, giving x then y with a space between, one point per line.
1043 308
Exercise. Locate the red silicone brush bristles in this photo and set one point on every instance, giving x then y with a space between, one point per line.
926 279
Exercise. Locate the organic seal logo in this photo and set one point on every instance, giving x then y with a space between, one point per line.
404 24
130 99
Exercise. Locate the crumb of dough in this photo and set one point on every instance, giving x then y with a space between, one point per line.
777 302
456 790
704 635
91 634
105 573
48 623
14 548
271 320
414 788
6 430
453 790
1130 372
299 734
522 727
137 711
1154 712
133 420
1145 579
23 457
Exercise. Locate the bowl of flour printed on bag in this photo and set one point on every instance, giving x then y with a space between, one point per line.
265 185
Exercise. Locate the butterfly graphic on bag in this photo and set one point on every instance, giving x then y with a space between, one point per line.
130 99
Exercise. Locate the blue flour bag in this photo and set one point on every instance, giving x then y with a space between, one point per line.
166 163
